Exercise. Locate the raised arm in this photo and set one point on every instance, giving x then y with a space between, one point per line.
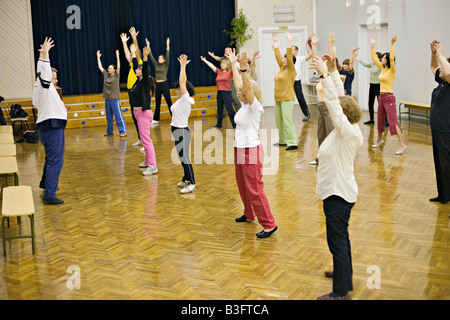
183 77
352 60
127 52
118 62
231 56
443 61
99 61
392 54
253 65
247 86
134 35
212 55
374 54
276 49
434 58
209 64
365 64
152 58
43 66
289 53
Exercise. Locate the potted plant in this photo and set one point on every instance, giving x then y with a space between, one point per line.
237 34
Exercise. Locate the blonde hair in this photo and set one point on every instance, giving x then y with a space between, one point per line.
256 90
227 62
351 109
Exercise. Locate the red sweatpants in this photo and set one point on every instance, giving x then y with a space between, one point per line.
248 164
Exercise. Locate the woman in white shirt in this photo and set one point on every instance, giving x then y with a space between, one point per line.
336 184
181 110
248 152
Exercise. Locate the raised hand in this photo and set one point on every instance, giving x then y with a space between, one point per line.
331 62
331 37
231 55
373 41
168 42
146 51
133 33
117 53
184 60
99 54
438 47
320 66
275 36
394 39
124 38
47 45
147 42
288 36
243 61
314 40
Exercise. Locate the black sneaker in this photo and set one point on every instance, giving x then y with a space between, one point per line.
291 148
52 201
369 122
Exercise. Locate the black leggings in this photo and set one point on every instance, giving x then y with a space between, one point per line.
374 92
162 88
182 141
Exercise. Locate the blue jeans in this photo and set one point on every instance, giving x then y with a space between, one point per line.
112 107
54 145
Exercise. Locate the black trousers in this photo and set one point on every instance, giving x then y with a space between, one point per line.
374 92
132 114
300 97
182 141
441 153
337 213
162 88
225 98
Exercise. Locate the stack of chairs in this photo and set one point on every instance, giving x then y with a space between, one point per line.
17 200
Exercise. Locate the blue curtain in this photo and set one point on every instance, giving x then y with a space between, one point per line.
194 28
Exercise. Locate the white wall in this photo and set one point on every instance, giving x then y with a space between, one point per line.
16 49
260 14
415 22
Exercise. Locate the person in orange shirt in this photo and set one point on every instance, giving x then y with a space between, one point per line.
386 100
285 94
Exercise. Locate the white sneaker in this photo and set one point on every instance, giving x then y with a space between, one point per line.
183 184
142 149
143 165
149 171
313 163
188 189
137 143
155 122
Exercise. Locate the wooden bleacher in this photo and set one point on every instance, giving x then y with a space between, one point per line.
86 110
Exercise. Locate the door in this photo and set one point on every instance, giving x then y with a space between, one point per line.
382 45
268 64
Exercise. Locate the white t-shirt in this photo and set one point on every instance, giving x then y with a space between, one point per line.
181 110
248 120
45 96
298 67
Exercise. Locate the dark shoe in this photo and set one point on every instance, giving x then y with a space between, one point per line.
217 127
263 234
328 274
242 219
437 199
307 118
369 122
53 201
386 124
330 297
291 148
281 145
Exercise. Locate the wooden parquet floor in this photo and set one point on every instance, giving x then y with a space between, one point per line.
133 237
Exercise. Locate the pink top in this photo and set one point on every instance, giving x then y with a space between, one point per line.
223 80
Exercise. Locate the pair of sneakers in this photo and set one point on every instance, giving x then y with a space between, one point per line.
150 169
186 187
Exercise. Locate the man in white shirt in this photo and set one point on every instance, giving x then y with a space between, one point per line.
298 83
51 123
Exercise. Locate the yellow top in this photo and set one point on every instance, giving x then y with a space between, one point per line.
285 79
387 75
132 76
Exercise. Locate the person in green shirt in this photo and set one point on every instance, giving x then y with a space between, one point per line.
374 91
162 85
